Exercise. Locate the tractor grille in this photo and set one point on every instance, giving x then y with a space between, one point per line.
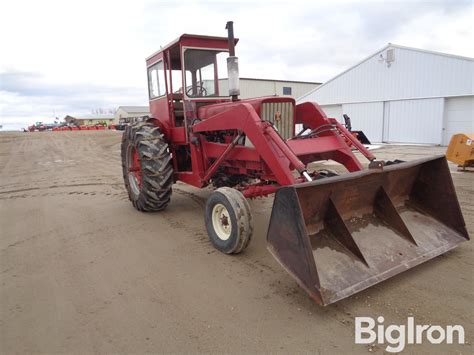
281 115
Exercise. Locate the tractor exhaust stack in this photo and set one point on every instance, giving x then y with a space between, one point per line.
232 64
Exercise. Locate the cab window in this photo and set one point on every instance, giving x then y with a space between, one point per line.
156 80
205 72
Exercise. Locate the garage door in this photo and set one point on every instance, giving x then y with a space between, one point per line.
367 117
459 116
415 121
333 111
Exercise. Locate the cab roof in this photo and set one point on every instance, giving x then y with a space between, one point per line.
196 40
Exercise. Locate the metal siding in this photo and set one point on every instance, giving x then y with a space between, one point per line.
297 89
386 120
333 111
258 88
367 117
416 121
223 87
459 117
413 74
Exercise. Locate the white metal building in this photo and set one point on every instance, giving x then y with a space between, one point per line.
404 95
126 114
90 119
251 87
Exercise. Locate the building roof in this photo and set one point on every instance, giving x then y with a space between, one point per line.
135 109
102 116
424 51
280 81
284 81
389 45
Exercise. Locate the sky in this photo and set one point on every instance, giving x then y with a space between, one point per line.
71 57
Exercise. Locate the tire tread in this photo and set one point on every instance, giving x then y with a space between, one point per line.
156 166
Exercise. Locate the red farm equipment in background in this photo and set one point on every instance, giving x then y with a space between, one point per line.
336 235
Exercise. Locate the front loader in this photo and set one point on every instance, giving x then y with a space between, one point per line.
335 234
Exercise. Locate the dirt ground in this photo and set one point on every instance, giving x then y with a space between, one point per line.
81 271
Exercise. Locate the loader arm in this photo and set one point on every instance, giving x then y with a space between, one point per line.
270 147
334 142
282 157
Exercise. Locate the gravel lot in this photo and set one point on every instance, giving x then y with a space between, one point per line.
82 271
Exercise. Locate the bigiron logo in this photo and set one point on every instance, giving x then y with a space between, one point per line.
397 336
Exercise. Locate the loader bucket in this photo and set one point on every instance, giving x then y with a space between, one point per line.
340 235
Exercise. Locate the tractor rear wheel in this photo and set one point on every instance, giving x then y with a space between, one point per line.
147 167
228 220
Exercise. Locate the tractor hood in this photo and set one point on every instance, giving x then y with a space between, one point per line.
257 103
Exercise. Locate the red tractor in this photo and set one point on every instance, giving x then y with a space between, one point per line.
336 235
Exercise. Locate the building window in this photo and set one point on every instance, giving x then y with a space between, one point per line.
286 90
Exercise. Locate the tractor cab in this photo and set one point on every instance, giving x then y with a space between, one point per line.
186 74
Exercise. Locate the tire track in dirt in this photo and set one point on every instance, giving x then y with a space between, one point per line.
201 201
58 186
121 195
250 264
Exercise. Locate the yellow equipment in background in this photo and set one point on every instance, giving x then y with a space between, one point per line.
461 150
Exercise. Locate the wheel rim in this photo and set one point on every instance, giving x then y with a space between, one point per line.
134 170
221 221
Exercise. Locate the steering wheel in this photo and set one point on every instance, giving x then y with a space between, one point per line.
200 91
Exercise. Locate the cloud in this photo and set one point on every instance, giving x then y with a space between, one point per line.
27 97
72 56
34 84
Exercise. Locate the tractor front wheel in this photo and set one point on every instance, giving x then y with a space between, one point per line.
147 167
228 220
